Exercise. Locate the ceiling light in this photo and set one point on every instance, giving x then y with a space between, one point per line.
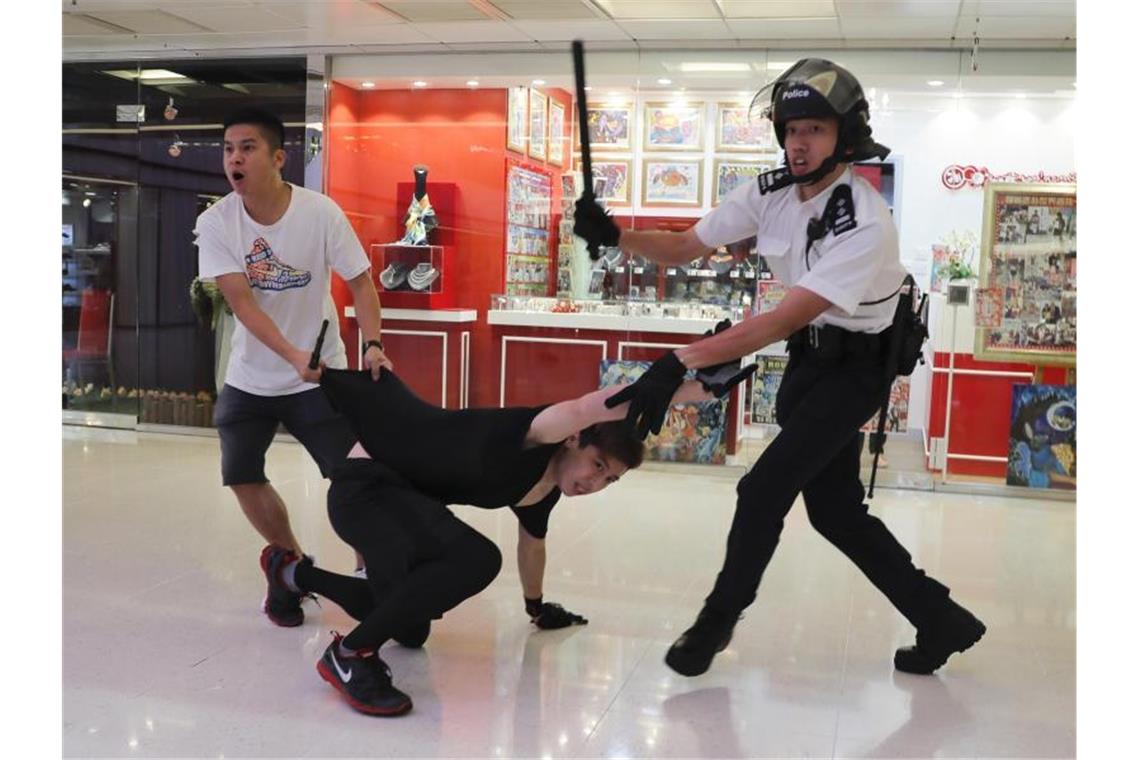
588 88
779 65
538 82
472 82
419 83
664 80
936 83
712 66
1019 95
150 76
368 85
86 203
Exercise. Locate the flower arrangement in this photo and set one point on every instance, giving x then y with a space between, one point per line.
962 248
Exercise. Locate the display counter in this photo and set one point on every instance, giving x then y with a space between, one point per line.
432 348
545 356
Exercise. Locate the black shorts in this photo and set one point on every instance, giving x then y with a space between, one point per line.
247 423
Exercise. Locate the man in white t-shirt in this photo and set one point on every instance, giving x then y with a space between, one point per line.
829 237
270 246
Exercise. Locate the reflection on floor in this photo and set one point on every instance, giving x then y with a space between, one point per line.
166 652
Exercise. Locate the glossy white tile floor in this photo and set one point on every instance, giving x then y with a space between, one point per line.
167 654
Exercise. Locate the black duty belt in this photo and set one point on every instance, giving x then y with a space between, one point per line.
830 341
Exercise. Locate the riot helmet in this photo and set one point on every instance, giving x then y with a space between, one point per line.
817 88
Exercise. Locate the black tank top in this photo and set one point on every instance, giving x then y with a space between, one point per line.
459 456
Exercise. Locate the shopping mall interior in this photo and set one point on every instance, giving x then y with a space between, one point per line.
496 304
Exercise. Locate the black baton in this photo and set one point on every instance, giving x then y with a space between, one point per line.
315 359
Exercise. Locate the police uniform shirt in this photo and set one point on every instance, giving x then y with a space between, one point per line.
858 265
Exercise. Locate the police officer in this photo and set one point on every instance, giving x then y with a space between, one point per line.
828 236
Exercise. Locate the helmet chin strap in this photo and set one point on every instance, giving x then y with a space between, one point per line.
781 176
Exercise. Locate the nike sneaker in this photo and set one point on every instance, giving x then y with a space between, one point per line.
282 605
364 680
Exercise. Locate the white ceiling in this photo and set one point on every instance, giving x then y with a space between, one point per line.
94 29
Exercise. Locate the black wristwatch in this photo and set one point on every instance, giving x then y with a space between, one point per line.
370 343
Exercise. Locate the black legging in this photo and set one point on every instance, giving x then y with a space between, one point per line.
421 559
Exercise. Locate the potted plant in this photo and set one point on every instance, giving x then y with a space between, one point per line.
962 249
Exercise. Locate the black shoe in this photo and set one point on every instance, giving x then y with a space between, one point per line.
413 636
364 679
282 606
952 630
692 654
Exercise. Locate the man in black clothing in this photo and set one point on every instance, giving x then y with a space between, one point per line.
388 500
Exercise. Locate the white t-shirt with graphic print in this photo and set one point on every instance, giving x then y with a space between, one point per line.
852 269
288 267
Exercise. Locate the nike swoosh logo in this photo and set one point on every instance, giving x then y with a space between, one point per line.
345 676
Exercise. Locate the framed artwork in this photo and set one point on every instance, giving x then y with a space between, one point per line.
667 182
695 432
898 409
736 132
557 152
537 147
670 126
613 176
732 173
765 384
1043 437
517 118
610 126
1029 253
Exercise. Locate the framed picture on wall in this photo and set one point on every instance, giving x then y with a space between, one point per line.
671 182
516 118
737 132
729 174
610 126
613 176
1029 254
557 153
673 126
537 147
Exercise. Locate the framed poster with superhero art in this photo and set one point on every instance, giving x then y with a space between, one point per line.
1029 255
1043 437
694 433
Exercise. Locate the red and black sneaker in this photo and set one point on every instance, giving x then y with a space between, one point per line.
364 679
282 606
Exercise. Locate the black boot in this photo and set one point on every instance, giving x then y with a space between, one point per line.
948 629
693 652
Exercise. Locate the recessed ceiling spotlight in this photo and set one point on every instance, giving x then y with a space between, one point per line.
419 83
472 82
368 85
588 88
538 82
664 80
936 83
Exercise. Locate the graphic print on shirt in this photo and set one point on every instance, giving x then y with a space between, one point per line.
267 272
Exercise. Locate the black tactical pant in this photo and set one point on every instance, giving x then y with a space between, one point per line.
823 400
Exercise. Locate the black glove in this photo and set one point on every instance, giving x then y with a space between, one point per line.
719 379
595 226
651 395
549 616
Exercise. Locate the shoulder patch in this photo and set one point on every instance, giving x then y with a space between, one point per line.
839 215
774 179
